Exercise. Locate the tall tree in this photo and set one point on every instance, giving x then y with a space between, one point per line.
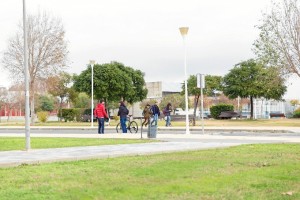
47 50
46 103
279 39
58 86
211 83
113 82
82 101
252 79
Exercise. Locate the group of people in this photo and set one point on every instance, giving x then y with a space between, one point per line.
101 115
153 111
149 112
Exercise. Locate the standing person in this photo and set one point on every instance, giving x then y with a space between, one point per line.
100 114
147 113
123 112
156 113
167 112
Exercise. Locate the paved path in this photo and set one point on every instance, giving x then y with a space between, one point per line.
172 142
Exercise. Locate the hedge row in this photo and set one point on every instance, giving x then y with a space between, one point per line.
216 110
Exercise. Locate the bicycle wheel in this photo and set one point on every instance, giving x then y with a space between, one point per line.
119 128
133 127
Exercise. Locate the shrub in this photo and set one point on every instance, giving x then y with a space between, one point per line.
216 110
68 114
78 113
296 113
42 116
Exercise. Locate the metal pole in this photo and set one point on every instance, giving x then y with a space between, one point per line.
92 104
26 73
202 108
183 31
92 63
141 128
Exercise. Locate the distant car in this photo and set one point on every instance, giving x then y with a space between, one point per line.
228 115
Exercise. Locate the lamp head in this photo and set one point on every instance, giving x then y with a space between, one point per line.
184 31
92 62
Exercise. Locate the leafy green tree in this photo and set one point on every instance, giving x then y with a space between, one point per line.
279 39
211 83
72 93
82 101
252 79
46 103
113 82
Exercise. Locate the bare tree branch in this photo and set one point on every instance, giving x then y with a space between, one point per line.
47 50
279 40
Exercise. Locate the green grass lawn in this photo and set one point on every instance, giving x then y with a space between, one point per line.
18 143
268 171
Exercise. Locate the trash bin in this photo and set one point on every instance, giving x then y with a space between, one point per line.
152 129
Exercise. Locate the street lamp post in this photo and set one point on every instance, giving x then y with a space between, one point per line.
201 85
26 74
92 62
184 31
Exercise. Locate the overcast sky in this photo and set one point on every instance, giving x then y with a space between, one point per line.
145 35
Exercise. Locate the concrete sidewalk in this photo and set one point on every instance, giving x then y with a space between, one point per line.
274 129
171 143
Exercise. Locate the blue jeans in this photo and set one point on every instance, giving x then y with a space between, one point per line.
168 121
101 125
123 124
155 118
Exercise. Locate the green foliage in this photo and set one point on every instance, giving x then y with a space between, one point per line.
211 83
82 101
216 110
254 80
296 113
113 82
42 116
71 114
46 103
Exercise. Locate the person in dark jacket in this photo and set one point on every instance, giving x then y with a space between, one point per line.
156 113
100 114
167 112
123 112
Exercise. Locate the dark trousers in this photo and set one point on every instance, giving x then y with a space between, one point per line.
101 125
123 124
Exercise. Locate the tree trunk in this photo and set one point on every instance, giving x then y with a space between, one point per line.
32 117
60 108
251 103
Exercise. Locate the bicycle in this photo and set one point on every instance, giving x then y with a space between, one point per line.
132 126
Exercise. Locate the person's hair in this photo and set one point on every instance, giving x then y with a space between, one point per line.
168 105
102 100
122 103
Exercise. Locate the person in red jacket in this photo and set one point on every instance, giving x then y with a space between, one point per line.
100 114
